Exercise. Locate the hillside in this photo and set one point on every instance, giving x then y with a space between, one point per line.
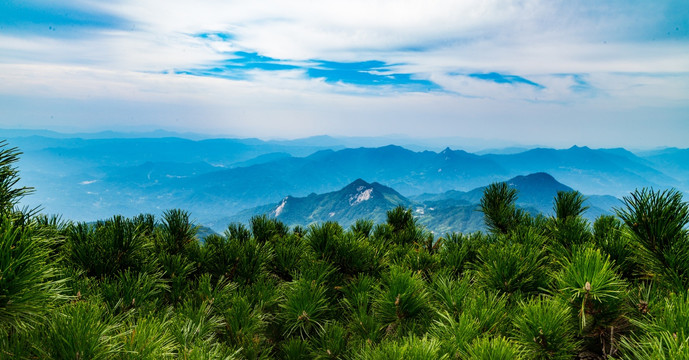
358 200
440 213
90 178
671 161
592 171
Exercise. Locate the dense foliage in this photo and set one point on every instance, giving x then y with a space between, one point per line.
532 288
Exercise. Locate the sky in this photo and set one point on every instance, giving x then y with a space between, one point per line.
559 73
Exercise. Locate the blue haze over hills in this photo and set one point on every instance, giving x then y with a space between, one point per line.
441 213
93 176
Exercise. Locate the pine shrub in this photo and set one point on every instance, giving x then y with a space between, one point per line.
403 304
591 286
498 207
10 192
331 342
456 333
29 281
146 338
496 348
408 348
177 232
569 204
81 330
357 302
108 247
289 252
449 294
129 290
458 250
265 229
658 221
512 267
543 329
296 349
304 309
613 239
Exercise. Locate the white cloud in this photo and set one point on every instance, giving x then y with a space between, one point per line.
609 45
518 36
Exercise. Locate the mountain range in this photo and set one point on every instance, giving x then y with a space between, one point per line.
358 200
440 213
93 178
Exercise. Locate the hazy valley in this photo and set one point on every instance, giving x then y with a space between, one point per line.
314 179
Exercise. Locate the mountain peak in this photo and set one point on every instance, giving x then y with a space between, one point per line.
537 188
449 154
356 184
357 200
539 177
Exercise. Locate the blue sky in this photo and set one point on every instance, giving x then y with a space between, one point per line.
558 73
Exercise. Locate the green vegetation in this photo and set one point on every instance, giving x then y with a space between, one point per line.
532 288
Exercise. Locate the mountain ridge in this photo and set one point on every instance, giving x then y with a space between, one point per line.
356 200
440 213
91 179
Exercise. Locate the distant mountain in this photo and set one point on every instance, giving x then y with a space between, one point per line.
601 171
672 161
407 171
536 191
502 151
87 179
597 172
455 210
274 156
358 200
14 133
440 213
601 205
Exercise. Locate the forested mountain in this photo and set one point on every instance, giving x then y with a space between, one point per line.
601 171
440 213
358 200
87 179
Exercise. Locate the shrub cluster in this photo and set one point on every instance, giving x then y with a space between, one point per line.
531 288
